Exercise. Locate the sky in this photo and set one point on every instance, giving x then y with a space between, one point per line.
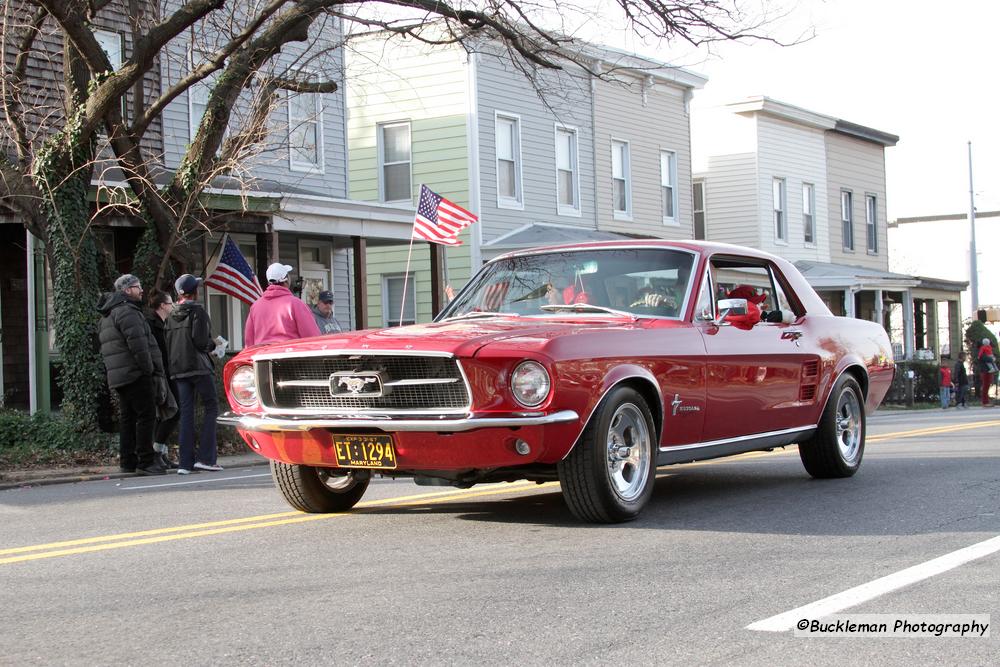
928 72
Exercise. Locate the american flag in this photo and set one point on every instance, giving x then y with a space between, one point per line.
439 220
233 274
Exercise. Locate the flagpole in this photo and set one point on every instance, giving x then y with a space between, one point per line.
406 277
204 269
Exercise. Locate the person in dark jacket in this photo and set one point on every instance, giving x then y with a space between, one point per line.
160 306
189 341
960 376
131 359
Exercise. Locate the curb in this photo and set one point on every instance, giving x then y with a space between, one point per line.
72 479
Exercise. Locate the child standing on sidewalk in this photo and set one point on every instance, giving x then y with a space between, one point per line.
945 378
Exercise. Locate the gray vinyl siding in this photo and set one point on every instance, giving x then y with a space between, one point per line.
732 199
566 102
794 152
652 123
858 166
272 163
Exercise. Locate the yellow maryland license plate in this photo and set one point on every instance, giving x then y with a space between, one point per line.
364 451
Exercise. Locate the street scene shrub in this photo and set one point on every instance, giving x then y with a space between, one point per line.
49 439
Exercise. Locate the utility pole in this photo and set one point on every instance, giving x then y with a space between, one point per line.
973 268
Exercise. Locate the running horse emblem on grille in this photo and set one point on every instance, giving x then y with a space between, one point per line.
351 384
355 384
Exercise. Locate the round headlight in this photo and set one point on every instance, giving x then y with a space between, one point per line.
530 383
243 386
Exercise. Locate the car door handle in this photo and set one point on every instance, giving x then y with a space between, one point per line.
792 335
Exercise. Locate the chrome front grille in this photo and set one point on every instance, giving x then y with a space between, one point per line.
410 384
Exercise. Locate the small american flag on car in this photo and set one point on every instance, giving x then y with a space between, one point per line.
439 220
233 275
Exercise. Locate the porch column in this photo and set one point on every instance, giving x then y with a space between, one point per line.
908 324
360 245
849 302
879 308
39 391
955 342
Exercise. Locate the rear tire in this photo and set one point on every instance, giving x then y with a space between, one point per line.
609 475
317 490
838 446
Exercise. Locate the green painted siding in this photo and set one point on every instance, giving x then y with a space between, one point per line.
404 81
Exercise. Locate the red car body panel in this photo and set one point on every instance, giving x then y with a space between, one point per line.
704 382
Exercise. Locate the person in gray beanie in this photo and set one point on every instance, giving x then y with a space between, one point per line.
132 359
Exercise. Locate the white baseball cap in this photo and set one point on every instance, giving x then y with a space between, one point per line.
278 272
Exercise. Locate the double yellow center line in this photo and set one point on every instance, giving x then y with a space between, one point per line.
155 536
158 535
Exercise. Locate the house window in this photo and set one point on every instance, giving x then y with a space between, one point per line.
111 42
808 217
392 287
567 172
394 162
778 197
621 196
198 93
847 218
871 222
114 47
508 138
668 186
698 195
305 132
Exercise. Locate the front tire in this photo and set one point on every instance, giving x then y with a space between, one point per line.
317 490
838 446
609 475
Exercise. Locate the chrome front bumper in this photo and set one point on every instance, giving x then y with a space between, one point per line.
273 424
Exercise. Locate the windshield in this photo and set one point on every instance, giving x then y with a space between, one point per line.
644 282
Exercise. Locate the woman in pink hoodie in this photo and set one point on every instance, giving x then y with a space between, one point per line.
278 315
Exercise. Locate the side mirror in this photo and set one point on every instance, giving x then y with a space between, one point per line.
727 307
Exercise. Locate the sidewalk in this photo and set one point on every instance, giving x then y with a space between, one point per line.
44 476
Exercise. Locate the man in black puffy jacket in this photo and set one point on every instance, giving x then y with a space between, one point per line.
131 358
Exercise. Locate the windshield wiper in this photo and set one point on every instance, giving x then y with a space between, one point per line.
479 313
589 307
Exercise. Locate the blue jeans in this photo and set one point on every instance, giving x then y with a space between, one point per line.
204 387
945 396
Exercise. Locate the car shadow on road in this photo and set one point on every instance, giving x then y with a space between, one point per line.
773 495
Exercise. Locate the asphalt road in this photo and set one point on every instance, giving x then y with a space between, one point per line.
216 568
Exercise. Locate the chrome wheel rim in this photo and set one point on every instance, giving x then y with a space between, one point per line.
334 482
629 450
849 426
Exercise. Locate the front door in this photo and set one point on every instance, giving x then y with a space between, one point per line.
754 374
314 268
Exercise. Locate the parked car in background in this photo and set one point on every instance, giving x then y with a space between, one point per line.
590 364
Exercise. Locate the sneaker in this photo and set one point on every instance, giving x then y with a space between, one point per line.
184 471
151 469
205 466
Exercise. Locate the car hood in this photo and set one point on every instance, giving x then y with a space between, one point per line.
463 338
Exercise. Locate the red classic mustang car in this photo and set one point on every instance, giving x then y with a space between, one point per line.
591 364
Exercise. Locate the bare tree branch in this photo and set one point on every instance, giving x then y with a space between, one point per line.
212 64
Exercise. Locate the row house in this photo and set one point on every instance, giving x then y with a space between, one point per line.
944 242
288 203
811 188
560 156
